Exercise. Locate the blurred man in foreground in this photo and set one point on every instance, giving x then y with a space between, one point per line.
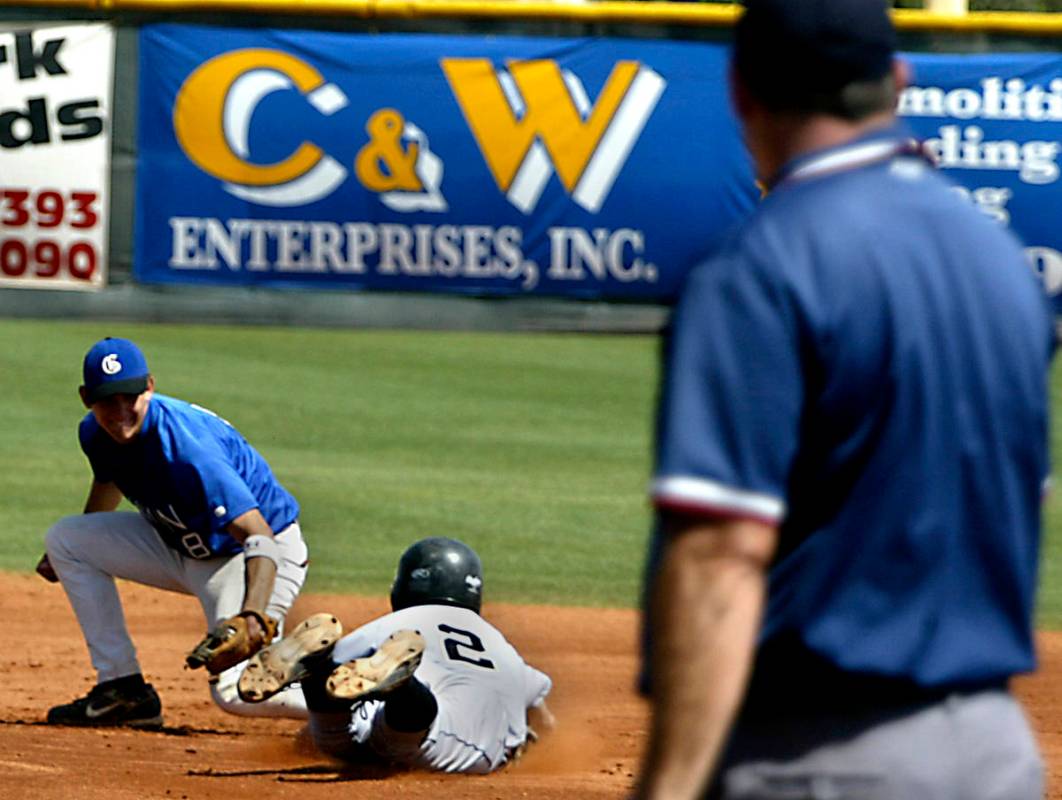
851 450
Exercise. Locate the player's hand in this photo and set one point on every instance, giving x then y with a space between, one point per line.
44 569
232 641
255 632
540 719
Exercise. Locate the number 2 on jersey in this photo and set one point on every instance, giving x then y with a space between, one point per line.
461 641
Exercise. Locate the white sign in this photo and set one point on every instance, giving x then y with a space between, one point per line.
55 148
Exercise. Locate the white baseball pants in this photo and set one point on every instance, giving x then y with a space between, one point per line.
88 551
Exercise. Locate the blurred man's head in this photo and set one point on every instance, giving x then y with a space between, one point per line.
812 74
817 56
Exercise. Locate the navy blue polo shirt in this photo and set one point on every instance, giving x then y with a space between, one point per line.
189 473
865 365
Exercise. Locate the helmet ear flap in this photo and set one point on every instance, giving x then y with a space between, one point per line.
438 571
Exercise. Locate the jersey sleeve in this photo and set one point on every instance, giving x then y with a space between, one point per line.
225 492
731 395
361 641
537 684
86 433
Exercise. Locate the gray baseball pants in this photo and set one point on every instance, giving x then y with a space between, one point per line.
88 551
965 747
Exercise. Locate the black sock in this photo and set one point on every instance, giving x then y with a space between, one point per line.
313 685
127 683
410 708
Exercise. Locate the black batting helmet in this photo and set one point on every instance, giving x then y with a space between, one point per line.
438 570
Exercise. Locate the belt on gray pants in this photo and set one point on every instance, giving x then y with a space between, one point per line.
790 681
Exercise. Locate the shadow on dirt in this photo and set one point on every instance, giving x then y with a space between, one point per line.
322 773
165 730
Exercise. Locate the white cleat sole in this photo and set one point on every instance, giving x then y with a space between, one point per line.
274 668
392 665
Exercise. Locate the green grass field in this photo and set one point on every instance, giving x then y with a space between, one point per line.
534 448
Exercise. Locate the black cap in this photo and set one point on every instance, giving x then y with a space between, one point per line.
789 50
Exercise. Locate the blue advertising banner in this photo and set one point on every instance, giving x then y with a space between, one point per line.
598 168
578 167
993 123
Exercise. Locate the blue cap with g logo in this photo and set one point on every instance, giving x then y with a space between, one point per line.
114 366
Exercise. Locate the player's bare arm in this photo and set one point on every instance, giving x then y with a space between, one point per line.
235 639
101 497
706 606
260 573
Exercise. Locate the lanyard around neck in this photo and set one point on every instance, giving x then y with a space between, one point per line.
852 157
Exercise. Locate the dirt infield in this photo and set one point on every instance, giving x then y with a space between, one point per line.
205 754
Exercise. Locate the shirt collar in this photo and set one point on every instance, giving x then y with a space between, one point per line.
883 144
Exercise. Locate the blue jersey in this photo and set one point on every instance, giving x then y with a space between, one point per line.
190 473
865 365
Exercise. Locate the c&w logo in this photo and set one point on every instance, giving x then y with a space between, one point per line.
534 118
531 120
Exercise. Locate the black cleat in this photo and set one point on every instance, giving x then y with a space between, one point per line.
111 704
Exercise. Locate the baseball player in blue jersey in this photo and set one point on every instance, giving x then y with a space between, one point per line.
851 450
213 521
432 685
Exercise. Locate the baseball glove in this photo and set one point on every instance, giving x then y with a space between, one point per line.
231 642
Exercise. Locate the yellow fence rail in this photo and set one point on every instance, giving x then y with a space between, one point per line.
609 11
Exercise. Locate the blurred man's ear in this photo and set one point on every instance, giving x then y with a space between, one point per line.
739 94
81 390
901 74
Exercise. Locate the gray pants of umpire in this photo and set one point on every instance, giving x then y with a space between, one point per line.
965 747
